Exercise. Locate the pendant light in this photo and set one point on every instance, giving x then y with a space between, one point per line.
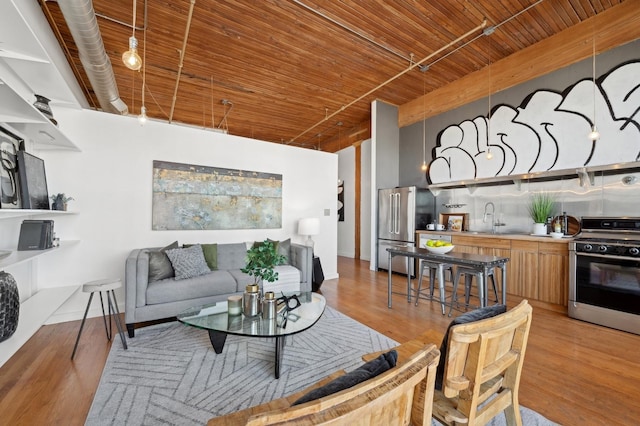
424 125
594 135
131 58
488 32
142 118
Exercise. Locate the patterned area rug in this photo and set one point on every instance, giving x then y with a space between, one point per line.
170 374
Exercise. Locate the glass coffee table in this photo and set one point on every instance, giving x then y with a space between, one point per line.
216 320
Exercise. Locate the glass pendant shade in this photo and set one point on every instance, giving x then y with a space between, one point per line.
594 135
131 58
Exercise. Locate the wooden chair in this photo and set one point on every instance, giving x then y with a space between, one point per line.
396 396
482 369
488 352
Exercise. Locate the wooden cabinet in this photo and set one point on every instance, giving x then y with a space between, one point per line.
523 269
553 280
538 268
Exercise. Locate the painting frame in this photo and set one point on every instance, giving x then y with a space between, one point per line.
454 222
10 145
197 197
32 182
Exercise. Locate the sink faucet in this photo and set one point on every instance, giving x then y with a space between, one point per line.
492 214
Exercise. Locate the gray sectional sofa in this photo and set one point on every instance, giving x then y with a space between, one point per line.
153 291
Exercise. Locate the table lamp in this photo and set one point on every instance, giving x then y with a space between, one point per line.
309 226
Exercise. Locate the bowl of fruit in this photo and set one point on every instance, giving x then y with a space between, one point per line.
439 246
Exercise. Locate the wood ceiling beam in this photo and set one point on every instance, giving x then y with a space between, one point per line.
614 27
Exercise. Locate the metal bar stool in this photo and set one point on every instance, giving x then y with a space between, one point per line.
432 267
469 273
108 286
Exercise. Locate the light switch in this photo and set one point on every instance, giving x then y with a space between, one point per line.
327 212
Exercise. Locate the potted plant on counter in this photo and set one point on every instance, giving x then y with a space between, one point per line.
540 208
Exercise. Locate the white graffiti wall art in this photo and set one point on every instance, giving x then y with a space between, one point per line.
548 131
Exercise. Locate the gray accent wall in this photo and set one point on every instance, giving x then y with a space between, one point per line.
606 195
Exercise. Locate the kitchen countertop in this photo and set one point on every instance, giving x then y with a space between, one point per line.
506 235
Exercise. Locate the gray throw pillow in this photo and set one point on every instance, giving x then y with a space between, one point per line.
160 265
188 262
283 248
467 317
363 373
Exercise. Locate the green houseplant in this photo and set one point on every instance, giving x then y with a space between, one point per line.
540 208
60 201
261 259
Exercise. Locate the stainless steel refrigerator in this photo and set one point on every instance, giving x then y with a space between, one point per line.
401 211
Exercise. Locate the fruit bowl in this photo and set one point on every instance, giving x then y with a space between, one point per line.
440 250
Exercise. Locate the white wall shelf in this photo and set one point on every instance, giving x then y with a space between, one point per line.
33 313
16 257
10 213
20 116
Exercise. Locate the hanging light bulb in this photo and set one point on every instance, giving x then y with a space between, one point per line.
489 154
594 134
131 58
424 166
142 118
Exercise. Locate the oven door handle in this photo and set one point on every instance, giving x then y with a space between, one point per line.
607 256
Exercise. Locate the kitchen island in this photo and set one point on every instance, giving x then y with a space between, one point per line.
538 267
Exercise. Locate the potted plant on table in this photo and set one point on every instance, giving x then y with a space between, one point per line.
540 208
262 258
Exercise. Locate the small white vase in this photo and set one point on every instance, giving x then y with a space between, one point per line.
540 228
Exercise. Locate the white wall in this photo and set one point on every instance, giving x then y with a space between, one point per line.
347 228
111 183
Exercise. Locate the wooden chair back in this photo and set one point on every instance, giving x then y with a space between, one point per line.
397 396
484 359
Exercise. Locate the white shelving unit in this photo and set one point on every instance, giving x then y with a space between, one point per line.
23 118
16 257
33 313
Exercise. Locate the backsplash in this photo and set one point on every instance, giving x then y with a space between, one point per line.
615 195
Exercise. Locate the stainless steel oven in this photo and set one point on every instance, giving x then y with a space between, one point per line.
604 275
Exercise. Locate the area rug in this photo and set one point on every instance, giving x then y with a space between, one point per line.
170 374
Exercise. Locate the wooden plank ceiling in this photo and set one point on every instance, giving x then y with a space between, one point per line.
284 66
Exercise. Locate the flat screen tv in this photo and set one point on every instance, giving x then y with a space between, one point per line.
33 182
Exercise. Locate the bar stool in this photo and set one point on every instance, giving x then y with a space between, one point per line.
108 286
433 268
469 273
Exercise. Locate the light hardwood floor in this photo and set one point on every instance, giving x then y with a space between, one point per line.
574 373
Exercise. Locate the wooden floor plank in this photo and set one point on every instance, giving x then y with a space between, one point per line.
574 372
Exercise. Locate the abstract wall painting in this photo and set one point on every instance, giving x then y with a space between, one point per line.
193 197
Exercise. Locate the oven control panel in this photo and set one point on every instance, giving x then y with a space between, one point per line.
628 250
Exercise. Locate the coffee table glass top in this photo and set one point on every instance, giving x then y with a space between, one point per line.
215 317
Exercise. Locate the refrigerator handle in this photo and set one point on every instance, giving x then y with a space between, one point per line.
396 228
390 215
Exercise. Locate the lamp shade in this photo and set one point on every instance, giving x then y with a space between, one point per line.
309 226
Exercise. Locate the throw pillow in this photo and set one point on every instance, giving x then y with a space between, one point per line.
210 252
160 265
188 262
467 317
283 249
365 372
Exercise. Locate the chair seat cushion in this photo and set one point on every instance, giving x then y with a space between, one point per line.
363 373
